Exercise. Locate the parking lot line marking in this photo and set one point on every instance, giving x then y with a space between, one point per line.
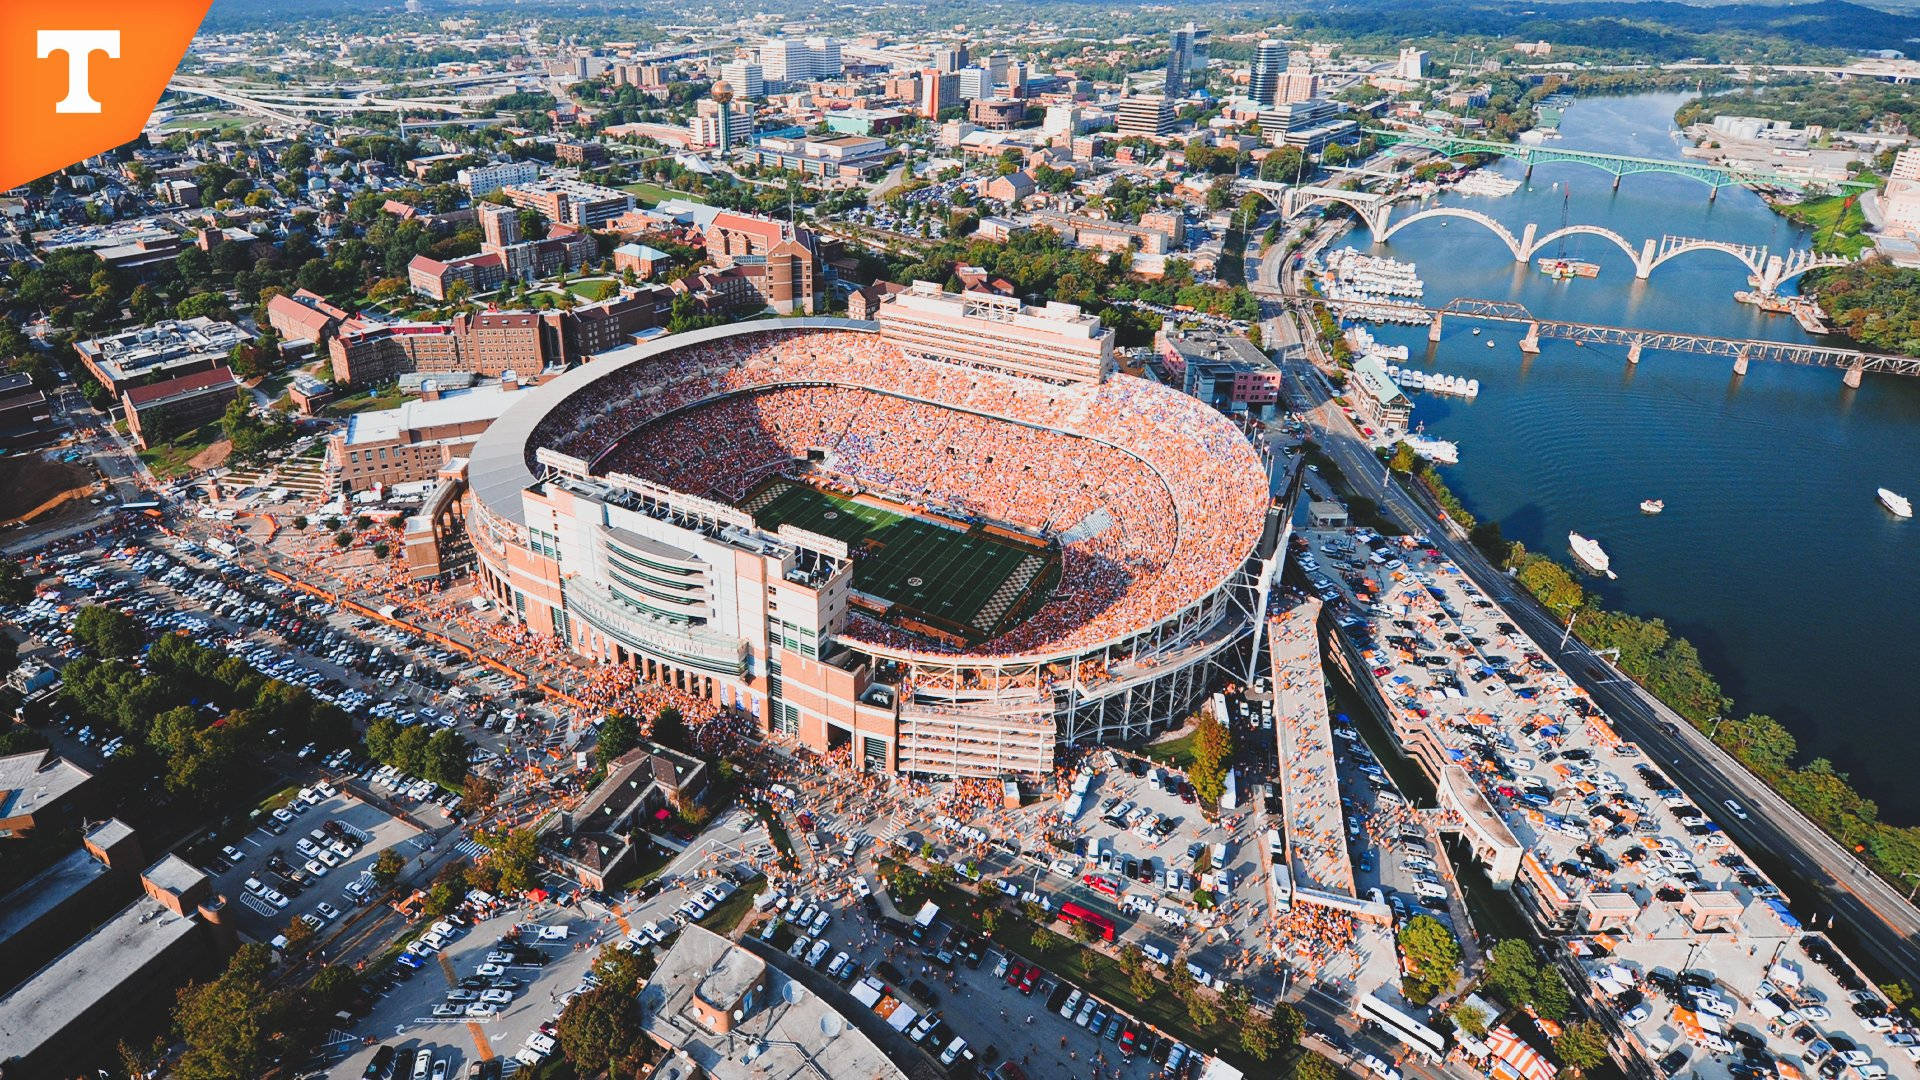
480 1044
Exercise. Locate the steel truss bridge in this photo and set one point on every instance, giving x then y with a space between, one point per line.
1618 165
1741 351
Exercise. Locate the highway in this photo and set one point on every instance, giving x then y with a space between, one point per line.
1882 921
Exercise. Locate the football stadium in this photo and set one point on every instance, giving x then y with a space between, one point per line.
942 542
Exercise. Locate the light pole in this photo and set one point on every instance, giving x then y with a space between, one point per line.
1568 633
1916 885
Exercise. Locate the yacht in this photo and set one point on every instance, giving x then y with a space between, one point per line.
1589 552
1652 506
1476 331
1897 504
1439 451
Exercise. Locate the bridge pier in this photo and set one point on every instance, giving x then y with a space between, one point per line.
1740 362
1616 181
1433 328
1633 350
1713 192
1852 377
1643 266
1531 342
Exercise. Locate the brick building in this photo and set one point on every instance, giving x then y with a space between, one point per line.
489 343
780 261
159 411
304 316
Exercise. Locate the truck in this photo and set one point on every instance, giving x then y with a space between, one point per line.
929 911
869 991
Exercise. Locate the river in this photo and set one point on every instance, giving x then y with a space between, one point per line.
1772 556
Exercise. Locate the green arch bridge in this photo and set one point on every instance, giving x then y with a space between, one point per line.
1619 165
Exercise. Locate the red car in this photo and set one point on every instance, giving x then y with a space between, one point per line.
1015 974
1129 1041
1033 976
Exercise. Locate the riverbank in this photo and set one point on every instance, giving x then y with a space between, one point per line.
1670 668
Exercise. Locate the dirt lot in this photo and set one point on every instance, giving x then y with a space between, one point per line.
29 480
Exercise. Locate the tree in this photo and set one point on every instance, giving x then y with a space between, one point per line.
515 855
1212 750
619 733
388 866
104 632
599 1031
1582 1046
1083 931
1315 1067
14 587
622 971
1041 940
990 920
1403 459
1469 1019
1512 971
1140 980
1431 958
226 1023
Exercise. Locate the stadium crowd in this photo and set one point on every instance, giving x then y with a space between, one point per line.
1155 498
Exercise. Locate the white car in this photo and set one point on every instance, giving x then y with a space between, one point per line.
273 897
316 868
497 997
491 970
327 911
232 853
483 1010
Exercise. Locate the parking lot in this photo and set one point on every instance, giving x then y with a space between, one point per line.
1599 820
957 996
318 877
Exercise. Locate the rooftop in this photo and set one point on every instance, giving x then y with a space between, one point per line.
455 407
32 781
47 890
789 1034
41 1008
168 343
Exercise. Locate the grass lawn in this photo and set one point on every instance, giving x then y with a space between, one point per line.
278 799
387 397
1837 223
726 917
593 289
1177 753
171 458
208 123
651 194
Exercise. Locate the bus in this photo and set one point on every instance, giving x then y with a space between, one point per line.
1406 1029
1071 912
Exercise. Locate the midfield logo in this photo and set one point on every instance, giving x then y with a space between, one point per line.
82 79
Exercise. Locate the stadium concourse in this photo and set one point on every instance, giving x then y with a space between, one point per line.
1067 561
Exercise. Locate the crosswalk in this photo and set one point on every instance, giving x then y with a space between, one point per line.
470 849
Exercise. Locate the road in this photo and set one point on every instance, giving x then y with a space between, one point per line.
1882 920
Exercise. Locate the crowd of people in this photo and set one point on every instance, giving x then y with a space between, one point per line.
1156 498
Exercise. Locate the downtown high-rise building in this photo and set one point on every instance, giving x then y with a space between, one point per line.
1269 71
1186 58
748 79
1144 114
790 60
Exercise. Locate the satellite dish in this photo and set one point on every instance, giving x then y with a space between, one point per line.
830 1026
738 1015
792 993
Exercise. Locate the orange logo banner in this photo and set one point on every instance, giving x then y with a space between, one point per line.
78 79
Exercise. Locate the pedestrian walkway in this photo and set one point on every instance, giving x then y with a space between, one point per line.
1309 787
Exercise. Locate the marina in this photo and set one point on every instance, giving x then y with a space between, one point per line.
1434 382
1804 309
1438 451
1484 182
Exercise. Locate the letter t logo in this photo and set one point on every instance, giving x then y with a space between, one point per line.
79 45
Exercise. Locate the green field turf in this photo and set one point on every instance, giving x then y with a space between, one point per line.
951 576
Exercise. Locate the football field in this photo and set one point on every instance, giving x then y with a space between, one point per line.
969 580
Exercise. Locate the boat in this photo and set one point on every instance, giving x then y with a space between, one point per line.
1897 504
1589 552
1490 344
1476 331
1652 506
1439 451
